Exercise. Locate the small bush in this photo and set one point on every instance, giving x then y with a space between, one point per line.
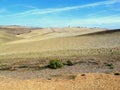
110 66
55 64
69 63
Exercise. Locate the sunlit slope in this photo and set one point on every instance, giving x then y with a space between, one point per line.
7 37
15 29
47 33
91 44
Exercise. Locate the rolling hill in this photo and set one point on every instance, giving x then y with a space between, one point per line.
26 51
7 37
59 42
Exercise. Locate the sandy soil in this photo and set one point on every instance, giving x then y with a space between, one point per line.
87 82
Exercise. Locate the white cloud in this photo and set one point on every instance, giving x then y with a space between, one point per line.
54 10
107 21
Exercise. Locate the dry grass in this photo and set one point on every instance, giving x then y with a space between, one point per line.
87 82
58 42
6 37
39 45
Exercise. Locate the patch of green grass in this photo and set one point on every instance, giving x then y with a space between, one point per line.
55 64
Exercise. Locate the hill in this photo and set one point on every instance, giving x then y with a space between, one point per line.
17 30
25 53
7 37
62 42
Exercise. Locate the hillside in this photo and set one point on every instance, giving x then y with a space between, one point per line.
7 37
60 42
16 30
25 53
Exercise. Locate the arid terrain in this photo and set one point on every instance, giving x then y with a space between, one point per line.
25 53
87 82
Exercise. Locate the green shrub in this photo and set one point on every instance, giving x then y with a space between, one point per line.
110 66
55 64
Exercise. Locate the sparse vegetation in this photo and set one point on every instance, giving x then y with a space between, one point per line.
73 77
28 49
5 67
58 75
30 45
69 63
110 66
55 64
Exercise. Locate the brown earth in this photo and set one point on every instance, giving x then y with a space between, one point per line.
80 82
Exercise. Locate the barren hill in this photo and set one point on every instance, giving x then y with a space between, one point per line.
27 51
70 41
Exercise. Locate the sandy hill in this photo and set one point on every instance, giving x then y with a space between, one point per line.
26 51
59 42
7 37
16 29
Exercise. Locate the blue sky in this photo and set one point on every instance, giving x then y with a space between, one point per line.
61 13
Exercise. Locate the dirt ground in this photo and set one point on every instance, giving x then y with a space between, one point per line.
80 82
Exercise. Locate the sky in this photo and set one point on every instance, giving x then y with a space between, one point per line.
61 13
